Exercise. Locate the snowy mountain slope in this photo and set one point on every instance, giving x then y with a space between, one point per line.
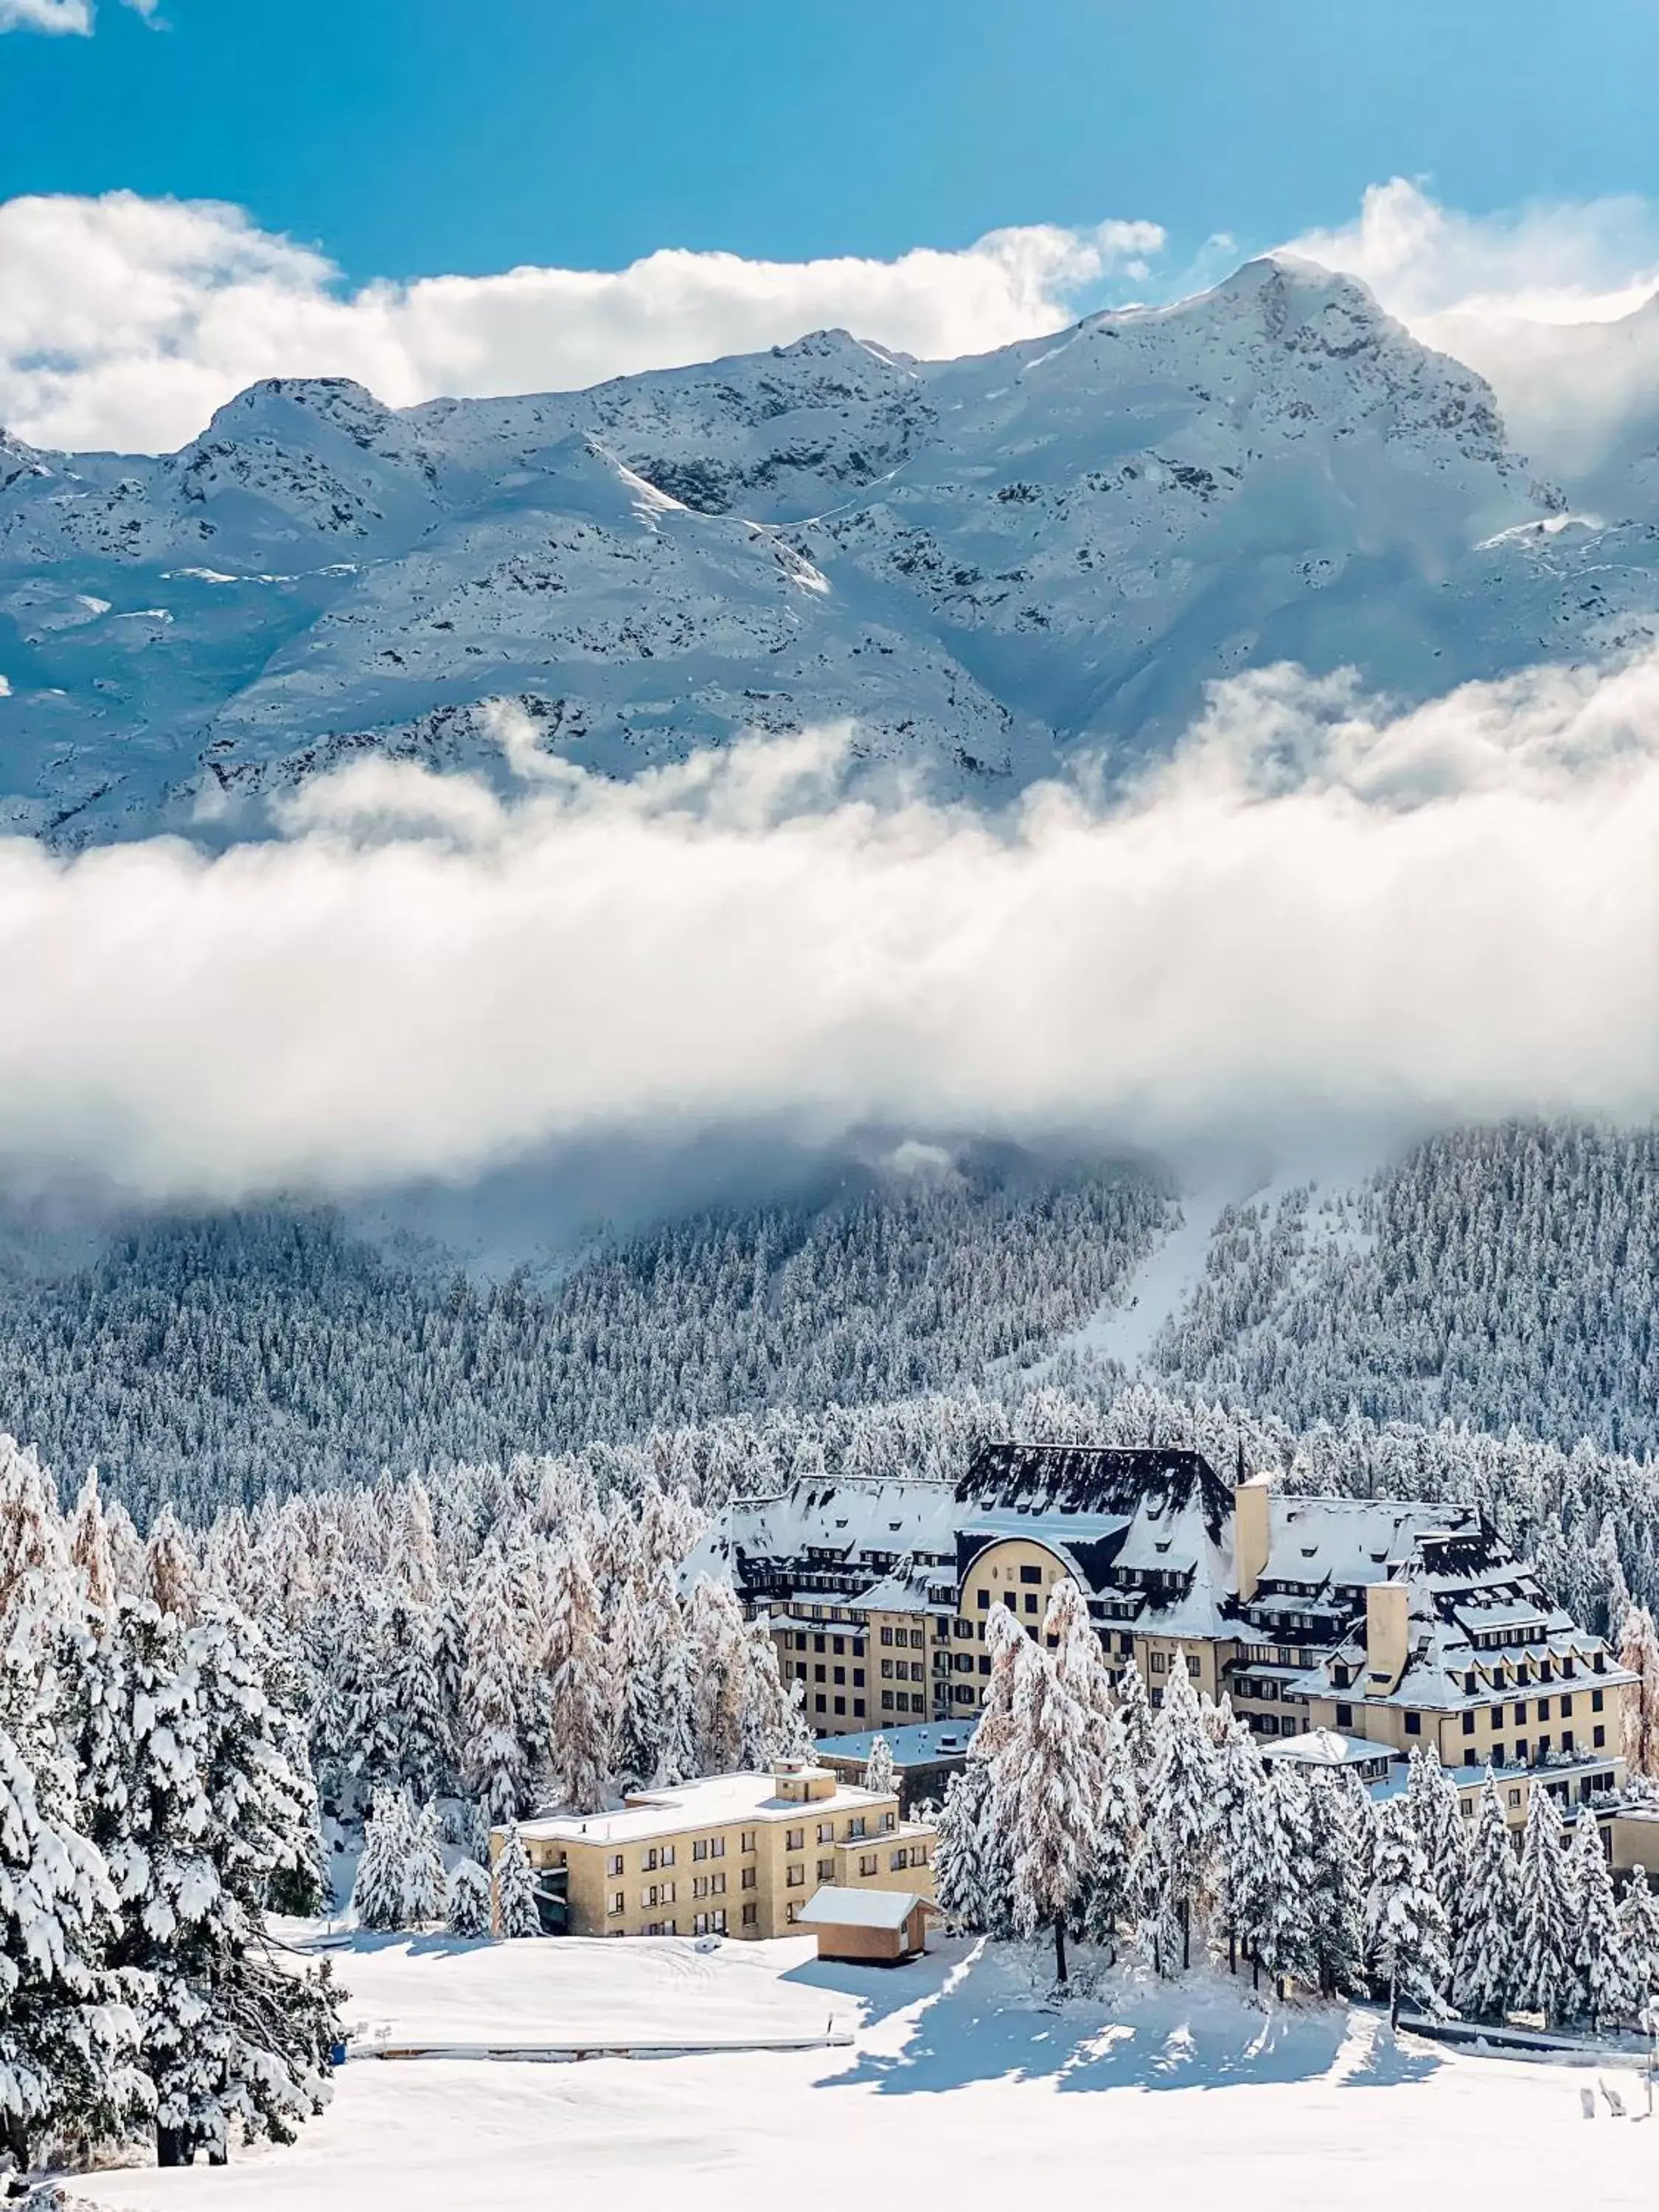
990 565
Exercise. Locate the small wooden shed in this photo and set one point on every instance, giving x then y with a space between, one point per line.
870 1927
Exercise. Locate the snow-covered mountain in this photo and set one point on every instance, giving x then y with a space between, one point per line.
992 565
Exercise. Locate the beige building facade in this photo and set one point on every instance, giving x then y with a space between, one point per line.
736 1855
1395 1622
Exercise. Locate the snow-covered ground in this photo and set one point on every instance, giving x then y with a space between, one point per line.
959 2084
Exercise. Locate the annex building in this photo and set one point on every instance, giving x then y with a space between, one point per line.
728 1855
1388 1622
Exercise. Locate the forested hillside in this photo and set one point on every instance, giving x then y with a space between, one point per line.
1505 1277
216 1358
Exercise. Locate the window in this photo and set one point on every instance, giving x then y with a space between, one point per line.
858 1708
748 1880
1543 1708
618 1903
887 1634
1514 1797
1031 1574
700 1848
668 1854
839 1675
858 1678
1345 1716
795 1878
795 1840
614 1863
817 1643
1595 1700
1030 1600
1192 1662
791 1912
648 1863
840 1705
1413 1723
1543 1746
717 1847
826 1869
917 1639
746 1840
1521 1753
1521 1715
1157 1662
1471 1759
886 1670
750 1915
867 1863
820 1675
985 1664
1566 1740
717 1885
826 1831
897 1859
838 1645
985 1600
1468 1722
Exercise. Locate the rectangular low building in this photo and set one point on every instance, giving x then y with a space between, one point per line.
726 1855
926 1754
866 1927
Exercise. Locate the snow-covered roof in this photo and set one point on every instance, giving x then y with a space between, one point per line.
705 1803
916 1744
833 1907
1325 1747
908 1591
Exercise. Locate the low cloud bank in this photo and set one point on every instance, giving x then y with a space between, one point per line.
1317 914
125 321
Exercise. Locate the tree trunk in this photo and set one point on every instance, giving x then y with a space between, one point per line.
174 2147
1256 1970
1232 1950
1186 1937
1060 1948
1394 2000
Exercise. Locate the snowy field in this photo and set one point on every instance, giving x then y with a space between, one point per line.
958 2079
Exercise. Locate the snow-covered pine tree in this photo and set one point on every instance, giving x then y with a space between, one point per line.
879 1776
720 1676
496 1761
172 1580
1047 1783
466 1904
514 1884
378 1891
423 1870
1483 1975
1432 1795
1112 1899
962 1877
1279 1885
1139 1727
635 1666
1079 1660
1240 1779
1606 1987
581 1712
1181 1812
1638 1651
1004 1641
69 2071
1543 1980
211 1808
1405 1925
89 1548
1639 1922
676 1750
1338 1811
770 1726
425 1755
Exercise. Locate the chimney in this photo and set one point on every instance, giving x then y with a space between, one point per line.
1388 1610
1250 1536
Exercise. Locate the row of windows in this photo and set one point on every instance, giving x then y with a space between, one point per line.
837 1644
838 1674
657 1856
890 1635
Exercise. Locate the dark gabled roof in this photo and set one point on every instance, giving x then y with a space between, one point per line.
1095 1479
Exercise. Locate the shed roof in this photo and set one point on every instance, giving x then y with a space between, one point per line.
834 1907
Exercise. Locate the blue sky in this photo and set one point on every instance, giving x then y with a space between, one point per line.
409 137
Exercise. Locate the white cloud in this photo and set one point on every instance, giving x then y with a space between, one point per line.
1525 297
125 321
1318 914
73 16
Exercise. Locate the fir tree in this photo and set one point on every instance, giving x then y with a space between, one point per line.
496 1662
1240 1780
1404 1923
423 1871
962 1878
634 1662
1047 1788
1112 1899
1638 1922
1606 1982
89 1548
466 1910
676 1750
69 2036
1180 1814
580 1688
1543 1979
1339 1812
880 1778
1483 1976
514 1886
1639 1652
379 1894
1437 1816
